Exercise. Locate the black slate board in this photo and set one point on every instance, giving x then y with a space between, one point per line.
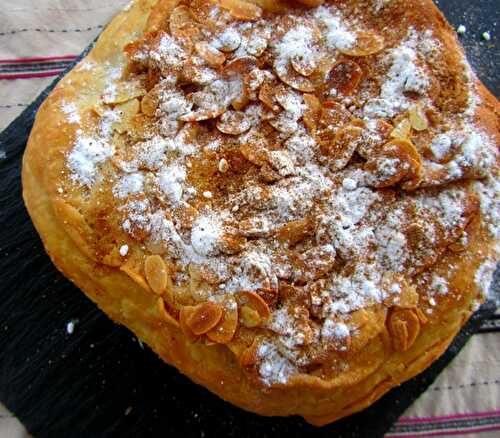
99 381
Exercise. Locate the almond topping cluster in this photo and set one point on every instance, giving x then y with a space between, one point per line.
284 176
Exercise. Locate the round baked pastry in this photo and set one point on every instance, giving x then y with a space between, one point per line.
296 204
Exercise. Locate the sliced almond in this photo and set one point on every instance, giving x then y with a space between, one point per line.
402 130
311 115
367 43
294 232
76 227
404 328
250 317
132 268
124 91
212 56
254 153
240 66
343 147
229 40
224 331
233 123
254 227
165 315
204 317
242 10
405 165
232 242
344 77
201 114
240 102
376 134
418 119
184 314
304 65
150 102
267 95
125 111
182 22
156 273
254 301
289 76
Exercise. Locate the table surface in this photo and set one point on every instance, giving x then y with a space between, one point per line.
38 39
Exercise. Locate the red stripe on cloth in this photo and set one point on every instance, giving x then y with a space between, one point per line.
44 74
448 417
481 429
37 59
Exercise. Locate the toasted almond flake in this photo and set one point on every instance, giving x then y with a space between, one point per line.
164 314
254 301
242 10
294 232
233 123
304 65
182 22
149 102
418 119
185 313
344 77
204 317
201 114
341 150
250 317
367 43
156 273
224 331
311 115
290 77
131 268
404 328
402 130
229 40
212 56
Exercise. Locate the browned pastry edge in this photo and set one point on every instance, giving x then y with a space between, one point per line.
215 367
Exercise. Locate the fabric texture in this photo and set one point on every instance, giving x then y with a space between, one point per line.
39 39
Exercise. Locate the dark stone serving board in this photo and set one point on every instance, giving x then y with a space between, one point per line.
100 381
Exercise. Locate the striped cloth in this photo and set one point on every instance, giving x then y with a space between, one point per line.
36 67
40 39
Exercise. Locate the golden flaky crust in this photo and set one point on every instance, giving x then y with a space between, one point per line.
391 341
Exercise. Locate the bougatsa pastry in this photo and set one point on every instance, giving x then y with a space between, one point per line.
296 204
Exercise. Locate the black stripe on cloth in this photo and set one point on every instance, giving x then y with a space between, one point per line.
15 105
61 62
465 385
456 424
14 31
34 68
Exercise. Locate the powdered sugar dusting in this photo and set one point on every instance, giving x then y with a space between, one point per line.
405 74
205 236
70 109
85 157
337 34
